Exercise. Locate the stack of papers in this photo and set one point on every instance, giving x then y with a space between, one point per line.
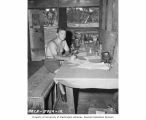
89 65
82 54
77 61
92 66
92 57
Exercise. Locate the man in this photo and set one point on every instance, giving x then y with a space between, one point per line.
54 54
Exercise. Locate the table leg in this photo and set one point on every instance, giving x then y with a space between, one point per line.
55 96
52 98
70 100
76 95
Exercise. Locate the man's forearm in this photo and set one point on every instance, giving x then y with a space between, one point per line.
60 57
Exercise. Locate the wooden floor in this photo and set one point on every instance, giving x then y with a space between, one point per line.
90 98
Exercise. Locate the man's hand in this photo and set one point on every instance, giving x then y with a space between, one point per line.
73 57
66 53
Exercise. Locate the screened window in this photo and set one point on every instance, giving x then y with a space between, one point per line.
83 17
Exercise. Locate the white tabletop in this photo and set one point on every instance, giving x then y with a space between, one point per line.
75 77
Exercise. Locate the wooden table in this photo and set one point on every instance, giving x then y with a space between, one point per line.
73 77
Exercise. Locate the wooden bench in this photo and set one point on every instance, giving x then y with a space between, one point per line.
40 91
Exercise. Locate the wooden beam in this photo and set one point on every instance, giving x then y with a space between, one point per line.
84 29
42 3
62 3
78 3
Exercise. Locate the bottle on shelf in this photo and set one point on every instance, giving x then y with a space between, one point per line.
100 49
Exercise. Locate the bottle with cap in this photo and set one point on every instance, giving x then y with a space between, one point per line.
100 49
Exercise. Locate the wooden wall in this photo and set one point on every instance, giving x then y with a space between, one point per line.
109 15
109 24
108 40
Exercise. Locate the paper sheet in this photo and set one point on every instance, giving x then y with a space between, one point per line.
92 57
92 66
82 54
77 61
89 65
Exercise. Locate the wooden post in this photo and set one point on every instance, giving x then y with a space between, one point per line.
103 16
100 14
115 15
109 15
76 96
28 44
62 18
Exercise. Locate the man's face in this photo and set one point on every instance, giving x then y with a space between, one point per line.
62 34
